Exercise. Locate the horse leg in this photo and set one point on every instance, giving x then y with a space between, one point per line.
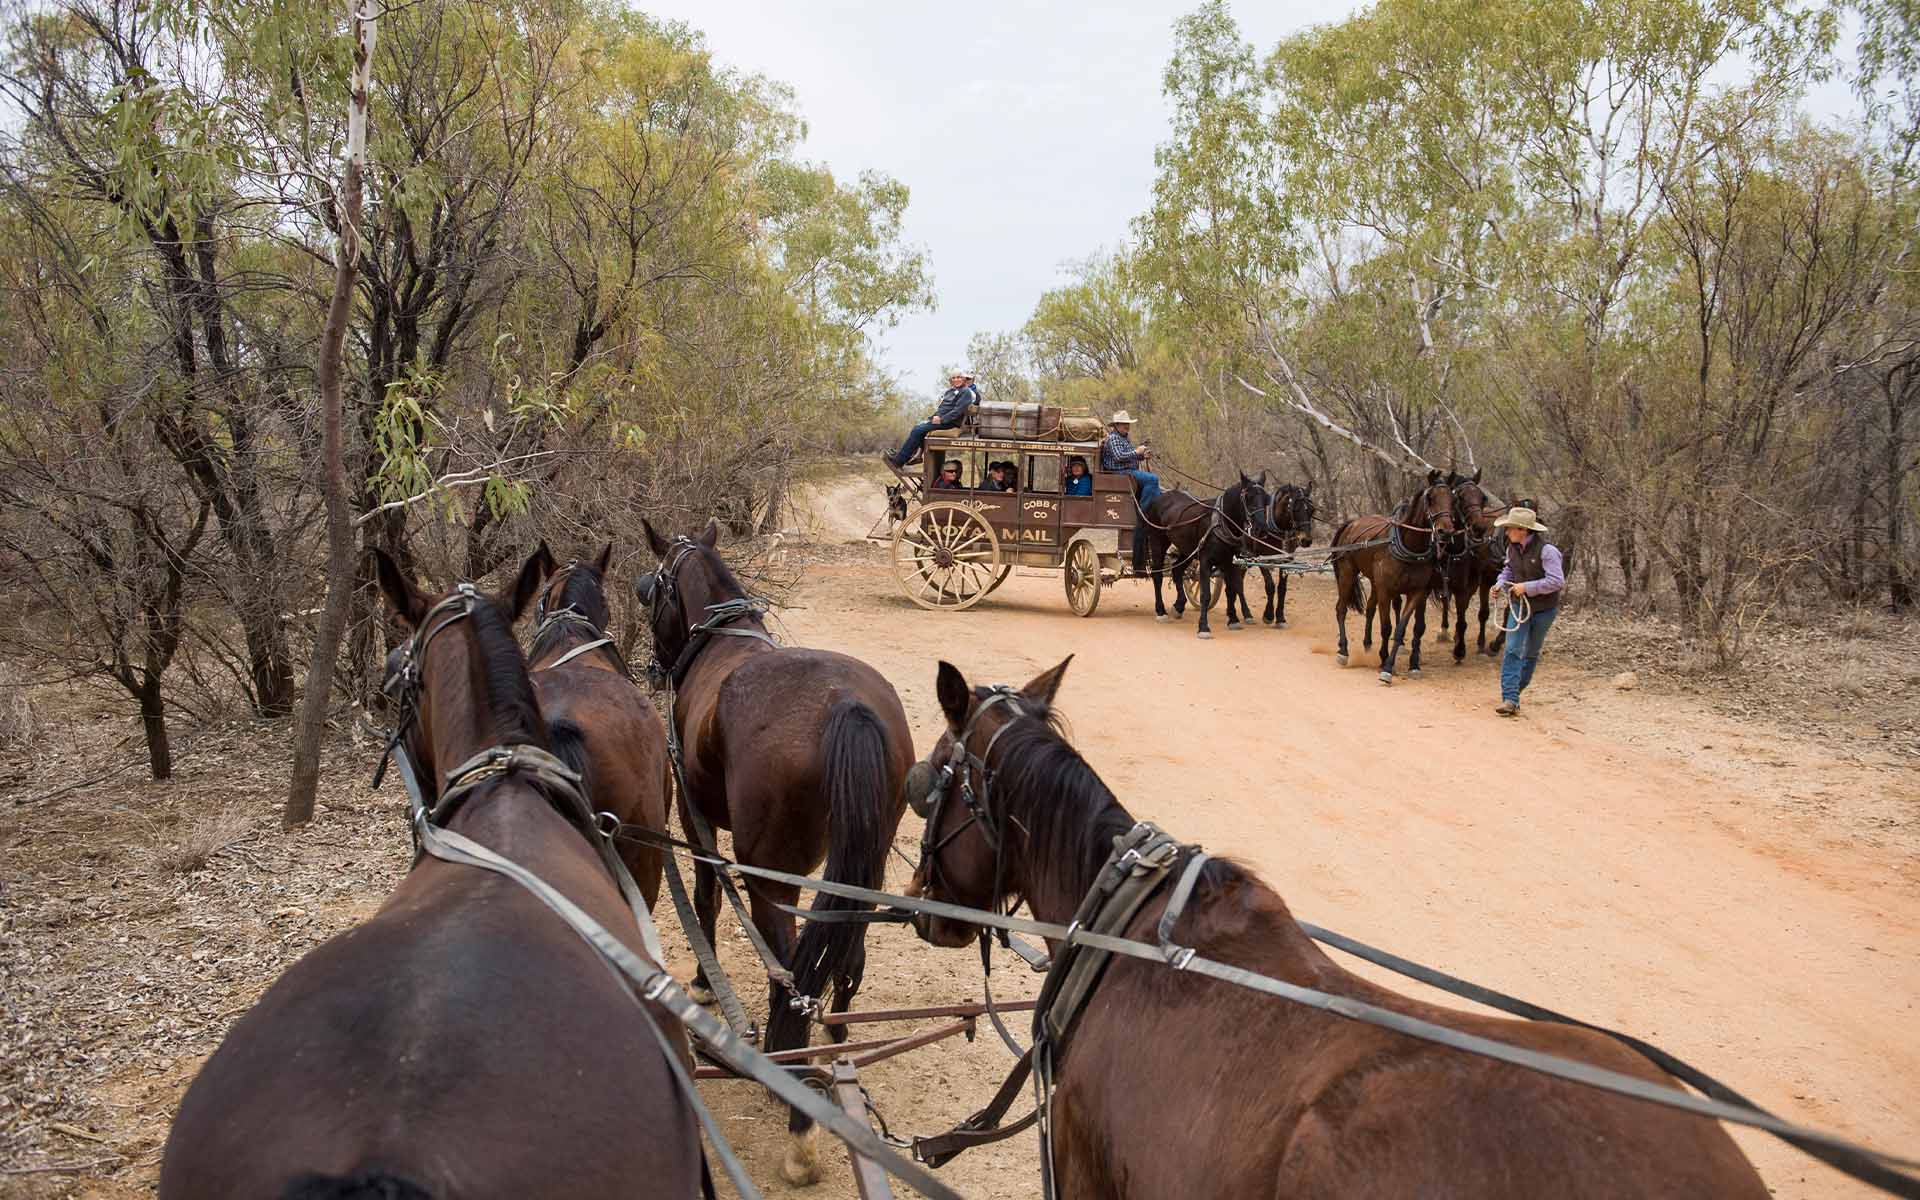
846 987
1267 614
1206 596
801 1165
1237 590
706 906
1280 604
1159 559
1413 612
1180 564
1419 634
1486 604
1460 626
1346 580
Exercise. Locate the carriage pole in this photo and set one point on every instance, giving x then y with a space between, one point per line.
867 1175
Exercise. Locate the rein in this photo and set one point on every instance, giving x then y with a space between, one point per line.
1719 1102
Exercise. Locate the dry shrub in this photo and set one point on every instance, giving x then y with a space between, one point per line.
20 722
1851 677
1858 624
202 838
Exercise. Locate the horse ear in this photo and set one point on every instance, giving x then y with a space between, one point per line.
548 565
1244 481
655 542
1434 477
407 601
600 564
1476 473
1263 477
955 696
710 536
526 585
1041 688
1309 487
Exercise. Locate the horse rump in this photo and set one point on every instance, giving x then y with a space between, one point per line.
370 1185
854 774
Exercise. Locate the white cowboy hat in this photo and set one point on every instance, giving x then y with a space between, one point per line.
1123 417
1525 518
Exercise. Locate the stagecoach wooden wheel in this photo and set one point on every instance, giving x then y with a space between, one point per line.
1083 579
1000 578
946 557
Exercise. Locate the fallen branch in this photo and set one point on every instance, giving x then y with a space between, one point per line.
452 479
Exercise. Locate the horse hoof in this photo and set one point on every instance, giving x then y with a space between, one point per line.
1234 626
1162 618
801 1167
1414 674
1279 624
1205 636
700 993
1339 660
1386 678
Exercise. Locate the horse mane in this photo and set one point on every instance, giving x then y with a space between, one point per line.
1069 815
499 680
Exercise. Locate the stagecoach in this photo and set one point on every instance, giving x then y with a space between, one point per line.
953 545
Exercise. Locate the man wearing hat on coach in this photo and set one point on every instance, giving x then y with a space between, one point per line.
954 403
1534 577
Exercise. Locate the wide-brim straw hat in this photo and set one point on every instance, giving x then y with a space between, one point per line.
965 373
1525 518
1123 417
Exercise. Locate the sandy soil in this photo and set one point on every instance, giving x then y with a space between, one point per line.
1744 895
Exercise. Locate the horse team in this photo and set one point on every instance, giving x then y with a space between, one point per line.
464 1042
1438 543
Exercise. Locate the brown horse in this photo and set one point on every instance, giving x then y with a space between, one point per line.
800 753
1175 523
463 1041
580 678
1404 563
1473 571
1173 1086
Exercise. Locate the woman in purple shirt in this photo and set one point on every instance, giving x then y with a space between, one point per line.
1534 570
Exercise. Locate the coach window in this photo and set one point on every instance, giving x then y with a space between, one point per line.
1042 474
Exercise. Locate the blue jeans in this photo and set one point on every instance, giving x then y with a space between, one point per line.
916 437
1149 485
1523 651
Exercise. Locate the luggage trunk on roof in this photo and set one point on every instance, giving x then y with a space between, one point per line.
1012 421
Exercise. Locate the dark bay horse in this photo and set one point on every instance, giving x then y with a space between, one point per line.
1228 536
463 1041
1472 571
1175 522
580 678
1400 558
1173 1086
801 753
1286 525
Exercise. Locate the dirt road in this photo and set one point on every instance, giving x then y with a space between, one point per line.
1617 855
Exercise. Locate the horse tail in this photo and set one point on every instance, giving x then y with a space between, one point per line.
569 744
854 776
370 1185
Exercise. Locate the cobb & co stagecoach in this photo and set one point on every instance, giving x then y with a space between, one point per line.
958 533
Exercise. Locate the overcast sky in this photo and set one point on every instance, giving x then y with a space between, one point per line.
1025 131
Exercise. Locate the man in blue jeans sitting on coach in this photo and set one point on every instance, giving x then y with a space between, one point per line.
1535 577
954 403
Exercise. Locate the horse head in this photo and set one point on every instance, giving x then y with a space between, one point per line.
457 638
963 849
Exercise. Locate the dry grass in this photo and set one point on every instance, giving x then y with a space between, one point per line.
20 720
200 839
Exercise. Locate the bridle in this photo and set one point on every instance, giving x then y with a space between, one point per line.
1299 516
660 588
430 803
1396 543
928 787
597 637
404 683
